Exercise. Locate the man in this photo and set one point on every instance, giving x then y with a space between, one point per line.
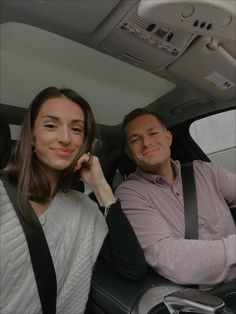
152 198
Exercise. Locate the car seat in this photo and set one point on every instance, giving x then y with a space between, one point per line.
113 294
5 142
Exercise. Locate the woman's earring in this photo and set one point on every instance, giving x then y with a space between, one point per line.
33 151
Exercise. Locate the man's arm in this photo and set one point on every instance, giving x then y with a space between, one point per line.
181 261
227 185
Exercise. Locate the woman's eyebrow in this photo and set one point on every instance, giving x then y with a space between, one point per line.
58 119
78 120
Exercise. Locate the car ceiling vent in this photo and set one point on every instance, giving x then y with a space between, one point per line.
138 21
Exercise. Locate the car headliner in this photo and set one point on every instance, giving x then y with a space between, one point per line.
40 46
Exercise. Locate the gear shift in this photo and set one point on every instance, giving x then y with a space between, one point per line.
195 301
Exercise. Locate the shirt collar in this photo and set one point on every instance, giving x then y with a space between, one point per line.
153 178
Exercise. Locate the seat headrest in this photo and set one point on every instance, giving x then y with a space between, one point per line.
5 142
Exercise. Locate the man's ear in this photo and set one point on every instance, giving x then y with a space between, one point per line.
128 152
169 137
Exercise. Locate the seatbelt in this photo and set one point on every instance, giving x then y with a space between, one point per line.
41 259
190 201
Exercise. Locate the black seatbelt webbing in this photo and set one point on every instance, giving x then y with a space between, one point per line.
41 259
190 201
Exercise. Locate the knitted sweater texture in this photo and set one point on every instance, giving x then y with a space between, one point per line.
74 229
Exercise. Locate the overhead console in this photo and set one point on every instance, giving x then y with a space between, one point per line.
210 62
212 18
148 45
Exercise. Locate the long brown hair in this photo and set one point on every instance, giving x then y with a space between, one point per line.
24 168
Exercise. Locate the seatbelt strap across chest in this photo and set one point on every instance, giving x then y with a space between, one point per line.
190 201
41 259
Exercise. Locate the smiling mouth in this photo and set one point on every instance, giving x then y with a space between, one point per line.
63 152
153 150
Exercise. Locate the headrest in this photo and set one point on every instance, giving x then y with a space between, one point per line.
5 142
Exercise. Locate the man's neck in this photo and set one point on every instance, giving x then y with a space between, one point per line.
166 170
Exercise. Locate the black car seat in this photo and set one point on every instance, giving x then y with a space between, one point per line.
5 142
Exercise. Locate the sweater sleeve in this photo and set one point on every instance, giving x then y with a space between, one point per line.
180 260
121 248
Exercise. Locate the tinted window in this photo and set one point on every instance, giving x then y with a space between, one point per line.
216 137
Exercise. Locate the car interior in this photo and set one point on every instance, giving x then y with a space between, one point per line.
177 57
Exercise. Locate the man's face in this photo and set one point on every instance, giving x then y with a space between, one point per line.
148 143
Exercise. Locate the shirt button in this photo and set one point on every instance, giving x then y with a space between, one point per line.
177 193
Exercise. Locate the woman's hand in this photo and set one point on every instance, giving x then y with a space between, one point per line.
91 172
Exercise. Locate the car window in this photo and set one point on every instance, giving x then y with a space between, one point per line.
216 136
15 132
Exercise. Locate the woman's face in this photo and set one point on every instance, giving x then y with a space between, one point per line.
58 133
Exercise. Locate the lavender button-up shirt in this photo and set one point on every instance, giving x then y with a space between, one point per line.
156 212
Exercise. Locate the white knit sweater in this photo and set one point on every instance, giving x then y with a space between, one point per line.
74 229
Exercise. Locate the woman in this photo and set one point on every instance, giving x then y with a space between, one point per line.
56 141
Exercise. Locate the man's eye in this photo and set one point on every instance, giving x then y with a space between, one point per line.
134 140
153 133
